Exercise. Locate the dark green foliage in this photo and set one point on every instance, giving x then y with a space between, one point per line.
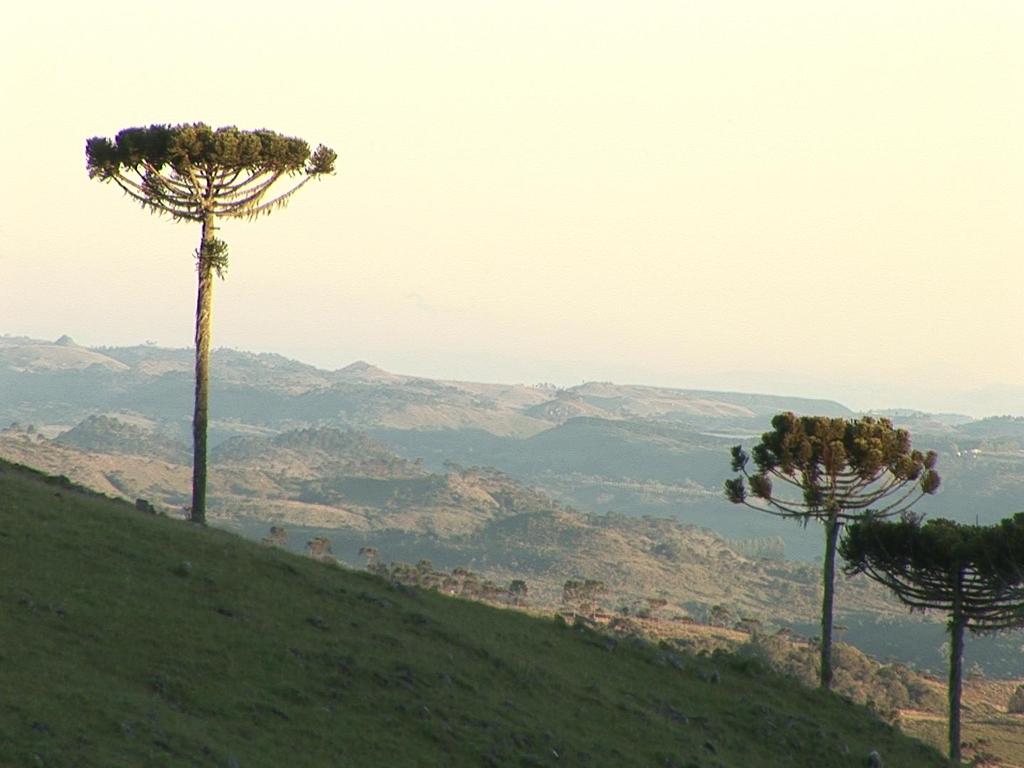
184 148
194 172
940 562
214 252
972 573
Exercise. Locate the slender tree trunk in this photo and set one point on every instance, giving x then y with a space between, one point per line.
832 526
204 305
956 670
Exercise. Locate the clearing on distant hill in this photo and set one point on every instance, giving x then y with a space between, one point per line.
132 639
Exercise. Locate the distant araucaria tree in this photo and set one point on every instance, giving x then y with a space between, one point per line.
972 573
832 470
196 173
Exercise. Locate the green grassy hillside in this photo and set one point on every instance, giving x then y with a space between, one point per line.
128 639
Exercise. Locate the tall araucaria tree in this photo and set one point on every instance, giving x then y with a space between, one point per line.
195 173
972 573
831 470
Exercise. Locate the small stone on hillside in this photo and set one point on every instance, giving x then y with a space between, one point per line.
184 568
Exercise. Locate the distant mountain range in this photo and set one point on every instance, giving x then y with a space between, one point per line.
60 381
600 480
598 446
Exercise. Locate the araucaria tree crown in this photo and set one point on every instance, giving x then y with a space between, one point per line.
832 470
191 171
972 573
836 467
196 173
944 565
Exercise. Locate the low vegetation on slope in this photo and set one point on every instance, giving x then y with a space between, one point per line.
130 639
349 488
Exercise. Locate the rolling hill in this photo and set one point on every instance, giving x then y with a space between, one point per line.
353 490
128 638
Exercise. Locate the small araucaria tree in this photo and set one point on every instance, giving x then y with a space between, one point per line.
832 470
972 573
195 173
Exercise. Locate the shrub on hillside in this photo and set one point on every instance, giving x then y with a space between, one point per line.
278 537
1015 706
319 548
886 688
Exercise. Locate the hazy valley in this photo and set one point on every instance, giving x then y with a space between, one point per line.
617 483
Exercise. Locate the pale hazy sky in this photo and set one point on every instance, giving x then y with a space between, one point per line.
802 197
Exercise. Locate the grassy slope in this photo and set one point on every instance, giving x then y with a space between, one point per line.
113 654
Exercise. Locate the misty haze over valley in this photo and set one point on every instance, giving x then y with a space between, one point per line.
444 470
